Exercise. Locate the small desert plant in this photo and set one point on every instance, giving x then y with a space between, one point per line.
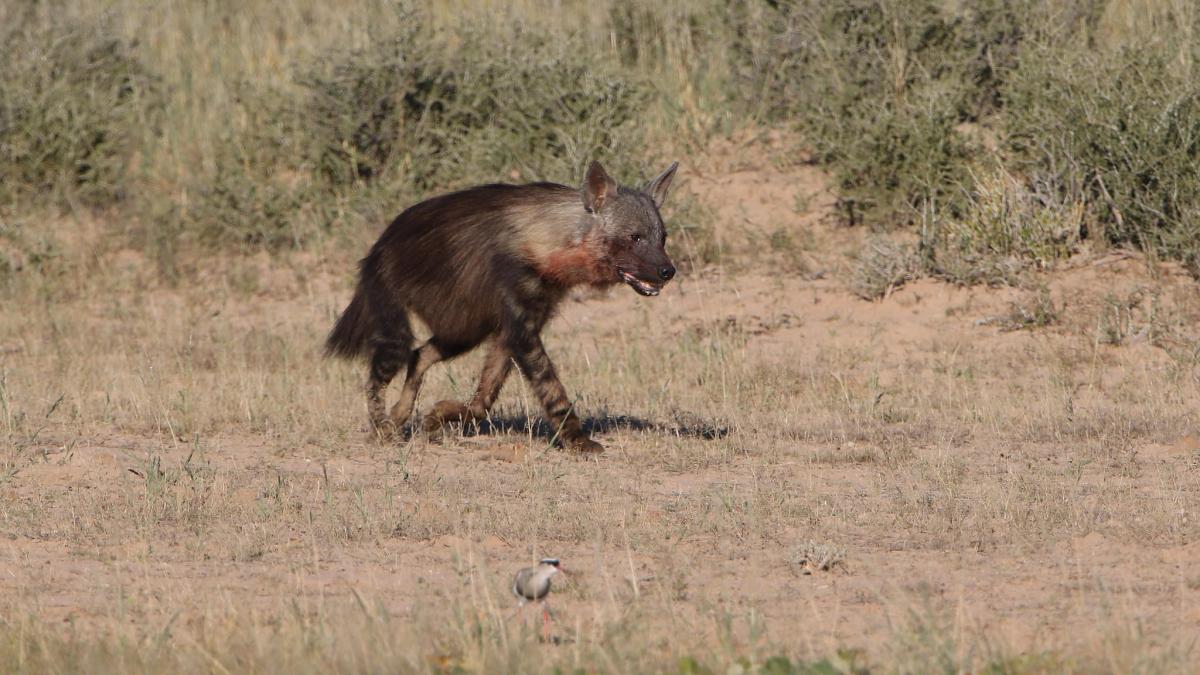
815 557
1131 317
1006 225
884 266
24 245
1035 310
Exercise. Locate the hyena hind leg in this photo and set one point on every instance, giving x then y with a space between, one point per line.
419 362
386 362
496 368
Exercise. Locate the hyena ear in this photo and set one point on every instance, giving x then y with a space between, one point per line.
657 187
598 187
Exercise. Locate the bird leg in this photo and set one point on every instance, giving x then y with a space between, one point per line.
515 612
547 620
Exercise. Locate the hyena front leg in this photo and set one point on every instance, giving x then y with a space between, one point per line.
535 365
496 367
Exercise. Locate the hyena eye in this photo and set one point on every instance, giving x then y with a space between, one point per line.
637 238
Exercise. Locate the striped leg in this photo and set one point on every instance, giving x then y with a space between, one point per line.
535 365
385 363
419 362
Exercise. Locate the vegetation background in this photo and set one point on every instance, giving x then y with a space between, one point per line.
968 141
207 126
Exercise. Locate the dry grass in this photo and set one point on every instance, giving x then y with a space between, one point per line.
188 453
186 486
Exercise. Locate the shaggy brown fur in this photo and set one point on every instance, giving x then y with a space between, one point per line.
492 263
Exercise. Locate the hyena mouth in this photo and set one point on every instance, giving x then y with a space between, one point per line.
642 287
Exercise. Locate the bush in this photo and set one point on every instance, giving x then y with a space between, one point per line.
364 130
240 208
260 194
879 89
894 158
1118 131
882 90
414 113
1097 117
73 105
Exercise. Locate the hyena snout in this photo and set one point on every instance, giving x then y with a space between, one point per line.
657 268
647 277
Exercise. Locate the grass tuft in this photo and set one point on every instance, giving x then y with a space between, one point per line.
884 266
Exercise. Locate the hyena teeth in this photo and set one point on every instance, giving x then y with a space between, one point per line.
643 287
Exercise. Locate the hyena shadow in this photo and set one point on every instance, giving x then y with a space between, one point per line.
683 426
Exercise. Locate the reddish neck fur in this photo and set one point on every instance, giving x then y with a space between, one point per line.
576 264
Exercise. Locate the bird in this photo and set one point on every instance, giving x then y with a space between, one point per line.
532 584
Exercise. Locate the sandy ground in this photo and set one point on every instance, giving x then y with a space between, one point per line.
1016 490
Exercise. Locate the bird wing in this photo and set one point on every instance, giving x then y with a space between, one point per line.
542 589
521 586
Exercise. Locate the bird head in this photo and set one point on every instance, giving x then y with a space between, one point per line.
551 566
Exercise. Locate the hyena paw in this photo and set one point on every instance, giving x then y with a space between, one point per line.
384 430
585 444
446 411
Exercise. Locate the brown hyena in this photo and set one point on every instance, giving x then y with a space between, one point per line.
493 263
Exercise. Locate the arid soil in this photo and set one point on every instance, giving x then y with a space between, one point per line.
790 469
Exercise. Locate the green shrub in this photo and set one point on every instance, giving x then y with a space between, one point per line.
1095 110
364 132
882 90
893 158
878 88
259 193
1117 130
259 212
74 103
413 112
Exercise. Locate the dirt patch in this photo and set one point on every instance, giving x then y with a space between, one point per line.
1037 487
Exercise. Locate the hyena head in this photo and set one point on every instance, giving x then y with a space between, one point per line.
631 235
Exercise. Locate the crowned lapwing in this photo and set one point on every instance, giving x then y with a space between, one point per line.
532 584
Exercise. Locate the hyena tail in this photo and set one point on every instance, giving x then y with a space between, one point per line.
350 337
